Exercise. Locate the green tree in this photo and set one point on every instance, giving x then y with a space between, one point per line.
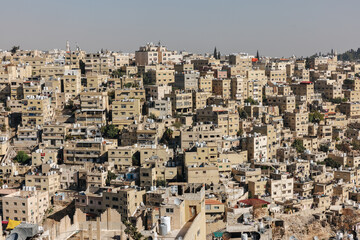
316 117
215 53
152 116
14 49
110 131
136 159
243 114
355 145
324 148
251 101
160 183
298 145
338 100
118 73
70 105
264 99
22 158
82 66
110 177
345 147
218 55
329 162
132 231
111 96
128 85
3 128
167 136
240 132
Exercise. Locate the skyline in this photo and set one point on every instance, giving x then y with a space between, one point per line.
231 26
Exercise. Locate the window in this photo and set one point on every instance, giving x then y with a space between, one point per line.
169 210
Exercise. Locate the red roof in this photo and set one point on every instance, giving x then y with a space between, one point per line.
212 202
254 201
305 82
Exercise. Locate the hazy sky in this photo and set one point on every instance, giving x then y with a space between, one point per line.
275 27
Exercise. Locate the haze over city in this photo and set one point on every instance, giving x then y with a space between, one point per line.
275 28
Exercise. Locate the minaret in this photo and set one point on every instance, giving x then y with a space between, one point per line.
77 47
67 46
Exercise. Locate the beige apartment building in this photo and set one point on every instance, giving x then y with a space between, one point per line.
237 88
127 81
242 61
156 92
201 153
221 88
96 178
273 143
41 156
151 54
94 82
181 101
253 89
200 133
304 88
27 205
297 122
352 96
202 174
257 188
227 121
52 71
31 89
36 63
71 83
244 175
205 84
256 145
93 108
160 108
161 76
156 170
122 157
350 109
45 181
87 150
280 187
99 63
142 133
276 75
53 135
73 58
125 112
285 103
330 89
200 99
183 67
125 200
121 59
130 93
36 111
